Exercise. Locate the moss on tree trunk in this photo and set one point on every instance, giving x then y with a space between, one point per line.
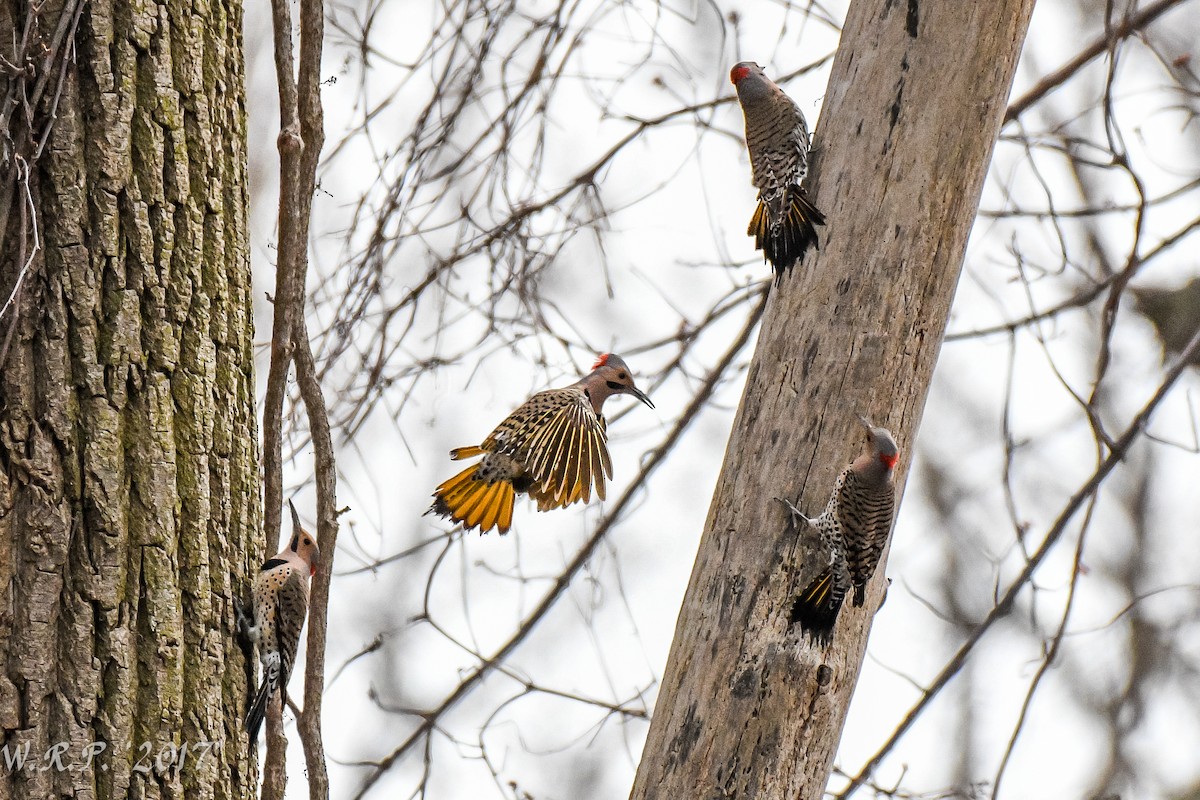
128 451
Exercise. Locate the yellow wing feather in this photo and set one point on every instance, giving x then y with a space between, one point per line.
476 503
758 224
818 591
561 445
560 456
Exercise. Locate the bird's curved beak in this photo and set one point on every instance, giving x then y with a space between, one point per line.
640 395
296 526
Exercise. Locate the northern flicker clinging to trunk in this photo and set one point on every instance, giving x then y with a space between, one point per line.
280 606
553 448
853 529
784 223
816 607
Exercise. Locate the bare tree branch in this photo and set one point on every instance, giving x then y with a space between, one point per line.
1003 607
651 462
1129 25
300 141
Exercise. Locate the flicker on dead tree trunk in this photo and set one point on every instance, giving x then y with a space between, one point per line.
853 529
914 102
785 220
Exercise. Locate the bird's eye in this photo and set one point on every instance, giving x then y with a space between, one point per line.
622 376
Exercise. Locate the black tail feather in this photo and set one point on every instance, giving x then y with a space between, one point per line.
816 608
258 710
784 242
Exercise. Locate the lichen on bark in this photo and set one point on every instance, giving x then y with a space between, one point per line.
128 449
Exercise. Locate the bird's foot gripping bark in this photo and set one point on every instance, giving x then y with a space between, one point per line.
247 637
799 521
246 629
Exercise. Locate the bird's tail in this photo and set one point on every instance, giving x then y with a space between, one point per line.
275 676
785 241
474 502
816 608
258 710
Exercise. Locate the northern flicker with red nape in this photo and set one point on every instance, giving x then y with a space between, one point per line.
554 448
784 223
280 595
853 529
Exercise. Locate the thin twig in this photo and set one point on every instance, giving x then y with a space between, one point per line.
563 580
1100 45
309 724
300 141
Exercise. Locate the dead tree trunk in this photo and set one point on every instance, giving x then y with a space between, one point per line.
748 708
128 454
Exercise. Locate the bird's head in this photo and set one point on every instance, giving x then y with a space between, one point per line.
610 375
303 544
753 87
743 69
879 446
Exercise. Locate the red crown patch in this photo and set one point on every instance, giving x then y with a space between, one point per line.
601 361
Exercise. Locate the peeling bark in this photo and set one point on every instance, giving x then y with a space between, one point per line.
128 451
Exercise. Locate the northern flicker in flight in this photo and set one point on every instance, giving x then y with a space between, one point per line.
280 595
554 448
784 223
853 529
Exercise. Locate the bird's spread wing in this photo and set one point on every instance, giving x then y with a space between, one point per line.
511 436
568 454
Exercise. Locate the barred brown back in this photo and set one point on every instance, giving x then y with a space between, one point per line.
866 516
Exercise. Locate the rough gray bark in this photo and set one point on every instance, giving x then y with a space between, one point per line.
128 452
748 708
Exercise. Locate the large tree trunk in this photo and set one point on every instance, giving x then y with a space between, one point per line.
749 708
128 454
